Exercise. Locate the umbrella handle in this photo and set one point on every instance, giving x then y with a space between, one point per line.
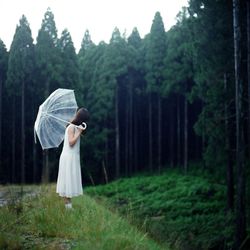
83 125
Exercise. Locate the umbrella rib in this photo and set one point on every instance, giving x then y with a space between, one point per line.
73 107
56 118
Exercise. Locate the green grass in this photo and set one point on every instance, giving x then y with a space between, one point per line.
43 223
183 211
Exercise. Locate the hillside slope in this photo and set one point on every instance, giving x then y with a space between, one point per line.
183 211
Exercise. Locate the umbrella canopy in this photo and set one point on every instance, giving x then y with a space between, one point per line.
53 116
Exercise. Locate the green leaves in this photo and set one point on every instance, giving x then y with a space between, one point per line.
3 61
155 53
21 58
69 65
48 55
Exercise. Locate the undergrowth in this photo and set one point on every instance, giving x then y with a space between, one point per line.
185 211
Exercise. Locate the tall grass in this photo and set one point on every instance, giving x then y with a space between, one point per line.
43 223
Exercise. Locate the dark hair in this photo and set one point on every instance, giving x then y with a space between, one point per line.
82 115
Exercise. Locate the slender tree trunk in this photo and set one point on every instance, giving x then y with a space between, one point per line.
105 171
106 153
1 98
13 151
127 141
198 140
248 71
23 135
159 132
230 181
171 134
34 151
203 138
117 135
185 134
45 173
135 140
241 185
131 163
150 133
178 132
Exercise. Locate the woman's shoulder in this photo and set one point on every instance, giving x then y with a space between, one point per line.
71 126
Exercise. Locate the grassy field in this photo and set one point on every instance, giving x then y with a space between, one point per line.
183 211
41 222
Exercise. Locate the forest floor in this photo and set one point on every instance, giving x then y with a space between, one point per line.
35 218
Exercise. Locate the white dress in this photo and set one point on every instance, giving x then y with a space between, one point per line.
69 180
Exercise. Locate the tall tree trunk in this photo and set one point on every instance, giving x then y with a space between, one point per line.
131 102
230 181
106 155
127 141
34 153
117 135
159 132
150 133
135 139
198 140
248 71
203 137
23 134
178 132
241 185
45 172
34 150
13 150
171 134
1 98
185 134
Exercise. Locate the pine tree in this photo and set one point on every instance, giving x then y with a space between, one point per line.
49 68
134 85
156 49
70 64
86 44
97 97
213 34
3 74
179 75
20 70
116 62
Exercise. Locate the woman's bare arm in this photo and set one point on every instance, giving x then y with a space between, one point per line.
73 134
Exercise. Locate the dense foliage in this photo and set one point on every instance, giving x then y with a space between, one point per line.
183 211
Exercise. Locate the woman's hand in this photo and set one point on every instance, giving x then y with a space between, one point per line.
83 126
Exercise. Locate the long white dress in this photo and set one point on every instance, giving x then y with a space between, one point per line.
69 180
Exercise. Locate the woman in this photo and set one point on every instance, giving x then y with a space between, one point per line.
69 181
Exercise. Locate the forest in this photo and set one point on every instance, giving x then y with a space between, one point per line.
175 99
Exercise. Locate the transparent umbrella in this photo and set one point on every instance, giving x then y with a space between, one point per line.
53 116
